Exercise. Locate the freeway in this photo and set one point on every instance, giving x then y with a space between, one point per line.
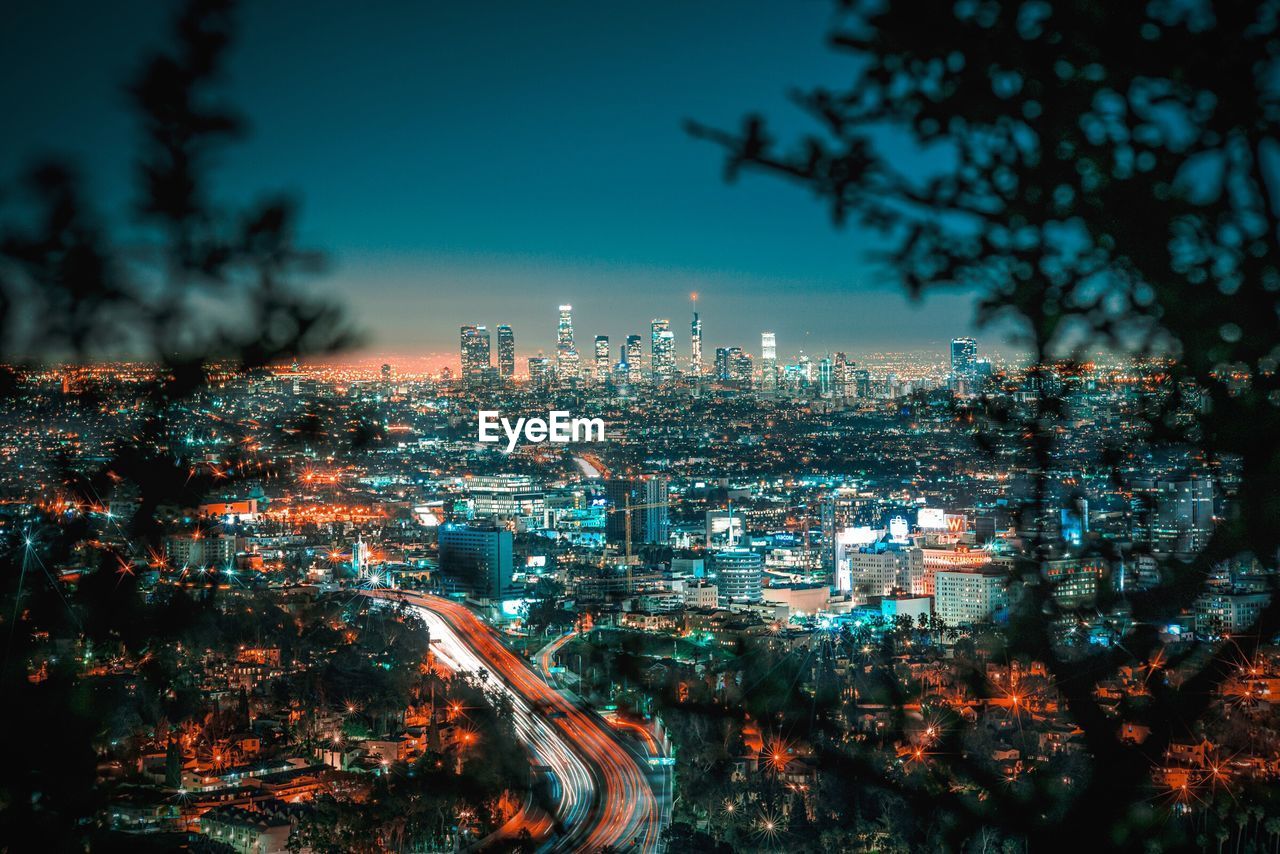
604 797
547 655
650 748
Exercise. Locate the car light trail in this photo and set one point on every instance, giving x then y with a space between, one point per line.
604 796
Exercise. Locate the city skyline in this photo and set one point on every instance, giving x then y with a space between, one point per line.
577 427
666 356
418 245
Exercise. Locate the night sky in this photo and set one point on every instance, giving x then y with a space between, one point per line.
484 162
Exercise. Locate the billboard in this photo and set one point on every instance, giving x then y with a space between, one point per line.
931 519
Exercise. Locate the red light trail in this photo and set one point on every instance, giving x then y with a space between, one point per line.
611 804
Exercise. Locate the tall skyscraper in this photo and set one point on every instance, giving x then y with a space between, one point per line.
506 352
540 372
475 353
733 366
695 346
662 352
826 374
602 358
842 376
964 357
768 361
862 383
566 351
633 356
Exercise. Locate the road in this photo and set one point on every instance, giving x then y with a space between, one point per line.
603 794
661 779
591 466
546 656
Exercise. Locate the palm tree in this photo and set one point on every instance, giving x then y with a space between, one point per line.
1272 826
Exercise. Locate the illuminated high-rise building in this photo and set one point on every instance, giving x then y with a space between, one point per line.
662 352
733 366
1184 513
842 377
768 361
566 351
738 573
475 353
862 383
633 356
648 499
964 357
695 346
825 377
602 358
506 352
540 372
968 596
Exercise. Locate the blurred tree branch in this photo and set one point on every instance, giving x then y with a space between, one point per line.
186 284
1104 174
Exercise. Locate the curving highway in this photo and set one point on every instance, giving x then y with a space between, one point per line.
603 797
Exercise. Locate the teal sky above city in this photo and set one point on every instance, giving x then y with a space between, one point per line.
484 163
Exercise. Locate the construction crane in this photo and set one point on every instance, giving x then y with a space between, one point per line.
626 508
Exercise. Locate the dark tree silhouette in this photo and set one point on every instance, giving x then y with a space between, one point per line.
185 283
1104 175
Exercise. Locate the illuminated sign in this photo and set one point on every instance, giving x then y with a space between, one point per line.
898 529
513 607
931 519
859 536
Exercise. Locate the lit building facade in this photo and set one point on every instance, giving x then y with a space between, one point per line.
971 596
602 358
768 361
506 352
633 356
475 353
695 346
477 559
739 574
662 352
566 350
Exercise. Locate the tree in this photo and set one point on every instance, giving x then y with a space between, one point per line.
173 765
542 610
1101 175
80 284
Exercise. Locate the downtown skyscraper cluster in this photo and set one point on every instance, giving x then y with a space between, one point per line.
833 376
